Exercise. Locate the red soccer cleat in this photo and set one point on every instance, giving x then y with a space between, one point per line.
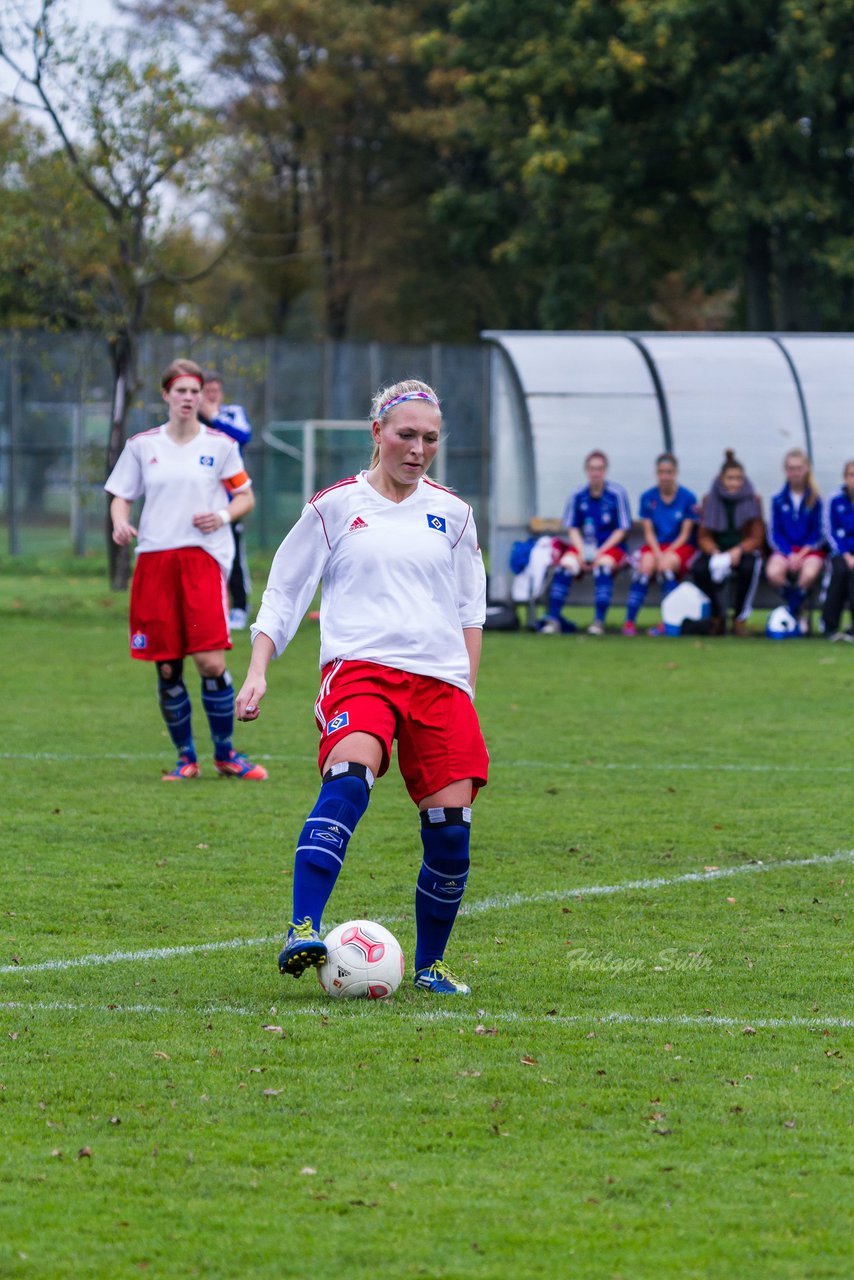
237 766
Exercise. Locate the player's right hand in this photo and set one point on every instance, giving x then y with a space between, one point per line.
246 706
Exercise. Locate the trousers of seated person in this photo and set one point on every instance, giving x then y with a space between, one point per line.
744 577
840 591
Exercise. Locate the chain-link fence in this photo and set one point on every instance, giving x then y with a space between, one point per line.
55 399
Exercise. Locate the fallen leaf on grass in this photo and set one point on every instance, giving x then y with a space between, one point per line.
85 1153
748 1031
159 1054
481 1030
270 1093
731 900
270 1027
789 1124
527 1061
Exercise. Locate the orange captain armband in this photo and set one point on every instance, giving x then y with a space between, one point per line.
240 481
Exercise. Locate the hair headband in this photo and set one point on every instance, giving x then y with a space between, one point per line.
409 395
175 376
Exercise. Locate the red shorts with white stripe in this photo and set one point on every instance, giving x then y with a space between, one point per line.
684 554
178 605
438 735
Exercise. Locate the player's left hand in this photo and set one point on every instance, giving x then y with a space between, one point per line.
208 521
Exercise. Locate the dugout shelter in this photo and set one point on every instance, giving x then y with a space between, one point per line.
555 396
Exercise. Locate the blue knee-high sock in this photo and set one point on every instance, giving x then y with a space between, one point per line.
175 707
602 591
218 702
668 583
637 595
558 591
441 881
795 597
344 795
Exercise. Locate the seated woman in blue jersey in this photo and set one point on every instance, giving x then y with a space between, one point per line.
795 535
669 516
839 534
598 519
731 538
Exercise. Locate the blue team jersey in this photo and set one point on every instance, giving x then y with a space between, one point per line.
598 517
794 526
232 421
839 522
668 517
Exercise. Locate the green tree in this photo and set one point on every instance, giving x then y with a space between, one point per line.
628 140
133 141
334 188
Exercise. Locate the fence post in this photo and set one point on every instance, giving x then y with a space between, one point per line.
78 522
14 438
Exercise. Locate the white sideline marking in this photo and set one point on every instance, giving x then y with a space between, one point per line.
655 882
366 1009
502 903
152 953
682 766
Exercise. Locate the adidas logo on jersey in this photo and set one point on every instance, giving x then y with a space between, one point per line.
358 523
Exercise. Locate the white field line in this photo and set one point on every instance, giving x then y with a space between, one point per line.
680 766
365 1009
497 903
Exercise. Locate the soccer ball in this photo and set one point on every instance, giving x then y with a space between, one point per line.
362 960
781 625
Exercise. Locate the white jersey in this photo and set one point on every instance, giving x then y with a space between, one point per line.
179 481
400 579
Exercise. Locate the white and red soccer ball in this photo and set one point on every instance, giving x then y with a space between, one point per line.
362 960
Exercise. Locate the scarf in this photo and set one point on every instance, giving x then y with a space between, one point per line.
743 503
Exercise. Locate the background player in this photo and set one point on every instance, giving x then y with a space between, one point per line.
795 535
839 532
731 536
232 420
402 610
186 473
669 514
598 519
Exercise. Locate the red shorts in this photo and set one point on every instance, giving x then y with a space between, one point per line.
684 554
617 555
813 553
178 605
435 723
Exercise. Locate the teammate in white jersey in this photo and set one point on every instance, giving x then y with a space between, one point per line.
402 611
186 474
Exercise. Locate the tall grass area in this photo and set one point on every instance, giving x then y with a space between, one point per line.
651 1078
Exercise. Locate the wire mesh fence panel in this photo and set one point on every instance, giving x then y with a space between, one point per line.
55 405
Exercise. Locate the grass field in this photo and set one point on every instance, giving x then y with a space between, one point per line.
651 1078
